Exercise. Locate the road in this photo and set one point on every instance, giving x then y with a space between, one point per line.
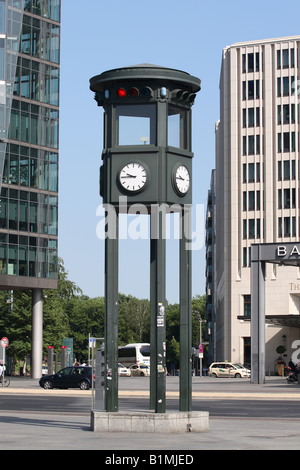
242 417
221 398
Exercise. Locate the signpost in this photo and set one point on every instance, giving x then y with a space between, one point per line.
4 343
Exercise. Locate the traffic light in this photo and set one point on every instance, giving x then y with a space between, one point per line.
183 95
135 92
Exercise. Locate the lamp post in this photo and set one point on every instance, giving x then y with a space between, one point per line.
200 320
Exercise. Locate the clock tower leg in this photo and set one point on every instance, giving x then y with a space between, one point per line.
111 320
185 403
158 314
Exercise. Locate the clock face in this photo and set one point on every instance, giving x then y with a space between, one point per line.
133 177
182 179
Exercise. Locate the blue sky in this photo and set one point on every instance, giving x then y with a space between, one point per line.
102 35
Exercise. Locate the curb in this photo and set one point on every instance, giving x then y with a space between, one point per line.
146 394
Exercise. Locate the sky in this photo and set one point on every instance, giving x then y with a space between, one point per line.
104 35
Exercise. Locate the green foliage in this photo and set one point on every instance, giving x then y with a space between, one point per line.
86 316
70 314
134 320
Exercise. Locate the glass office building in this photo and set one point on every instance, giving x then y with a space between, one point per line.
29 142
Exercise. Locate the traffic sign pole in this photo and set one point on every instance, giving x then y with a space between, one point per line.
4 343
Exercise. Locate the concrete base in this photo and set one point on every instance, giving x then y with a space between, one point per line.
143 422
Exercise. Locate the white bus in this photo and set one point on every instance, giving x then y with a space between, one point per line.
134 354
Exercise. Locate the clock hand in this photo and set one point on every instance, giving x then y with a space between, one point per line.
129 176
179 178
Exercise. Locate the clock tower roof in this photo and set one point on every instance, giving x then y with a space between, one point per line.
144 72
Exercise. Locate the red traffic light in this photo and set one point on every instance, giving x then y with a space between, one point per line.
121 93
134 92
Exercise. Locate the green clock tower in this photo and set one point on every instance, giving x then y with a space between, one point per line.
147 160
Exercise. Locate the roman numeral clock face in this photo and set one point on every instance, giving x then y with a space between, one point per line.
133 177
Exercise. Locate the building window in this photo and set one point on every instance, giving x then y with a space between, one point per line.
258 172
257 117
250 89
250 62
245 229
257 228
244 70
257 61
294 229
251 117
245 261
251 145
251 175
286 142
244 200
287 199
258 200
248 59
244 145
279 171
279 198
251 229
279 59
251 199
287 226
280 227
292 58
247 306
286 170
244 172
257 144
286 114
285 58
286 86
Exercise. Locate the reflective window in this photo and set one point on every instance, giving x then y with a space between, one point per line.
177 127
136 124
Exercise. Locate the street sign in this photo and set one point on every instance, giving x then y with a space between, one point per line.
4 342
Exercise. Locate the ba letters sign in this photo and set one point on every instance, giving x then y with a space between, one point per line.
276 252
288 251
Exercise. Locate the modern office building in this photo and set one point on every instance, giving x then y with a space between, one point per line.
257 194
29 123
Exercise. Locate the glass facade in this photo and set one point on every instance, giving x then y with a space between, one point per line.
29 126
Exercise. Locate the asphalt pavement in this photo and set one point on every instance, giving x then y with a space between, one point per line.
39 430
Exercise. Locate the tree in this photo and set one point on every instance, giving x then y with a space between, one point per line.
134 320
86 317
16 323
173 353
16 312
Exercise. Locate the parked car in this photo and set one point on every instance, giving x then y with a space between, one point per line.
69 377
123 371
228 369
140 370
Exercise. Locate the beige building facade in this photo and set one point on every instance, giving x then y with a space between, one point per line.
257 195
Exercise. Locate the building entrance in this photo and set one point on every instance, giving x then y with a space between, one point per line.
286 254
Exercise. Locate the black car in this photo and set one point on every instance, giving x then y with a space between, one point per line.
69 377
